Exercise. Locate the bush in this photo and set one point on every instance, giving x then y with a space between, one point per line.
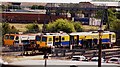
63 25
32 28
78 26
6 28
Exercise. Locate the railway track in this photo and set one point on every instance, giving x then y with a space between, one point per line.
68 53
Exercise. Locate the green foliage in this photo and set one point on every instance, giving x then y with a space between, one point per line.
111 18
117 15
61 25
115 26
7 29
99 14
37 7
3 7
32 28
78 26
13 30
13 7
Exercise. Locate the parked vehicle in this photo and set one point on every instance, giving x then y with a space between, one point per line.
115 60
95 59
78 58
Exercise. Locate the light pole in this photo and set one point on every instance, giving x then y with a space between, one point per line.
45 57
100 31
100 47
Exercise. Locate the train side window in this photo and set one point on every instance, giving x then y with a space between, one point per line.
56 38
50 39
63 38
38 38
6 37
17 38
44 39
11 37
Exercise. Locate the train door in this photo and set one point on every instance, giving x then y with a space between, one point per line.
89 43
95 42
74 40
65 41
50 41
60 41
53 40
110 39
84 43
57 41
71 40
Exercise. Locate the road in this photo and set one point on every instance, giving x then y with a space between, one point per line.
58 63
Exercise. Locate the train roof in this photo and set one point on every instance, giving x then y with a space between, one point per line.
91 33
80 33
55 34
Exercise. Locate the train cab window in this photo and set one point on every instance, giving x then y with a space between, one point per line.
50 39
63 38
11 37
44 39
17 38
6 37
38 38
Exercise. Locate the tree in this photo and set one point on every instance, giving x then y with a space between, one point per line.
3 7
40 7
115 26
5 28
13 30
78 26
34 7
37 7
111 17
99 14
32 28
118 15
60 25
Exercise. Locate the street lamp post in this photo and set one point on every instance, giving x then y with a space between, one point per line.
100 47
45 57
100 31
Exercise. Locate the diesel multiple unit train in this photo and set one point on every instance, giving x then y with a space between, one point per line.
40 41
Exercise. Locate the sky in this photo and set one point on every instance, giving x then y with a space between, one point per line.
47 1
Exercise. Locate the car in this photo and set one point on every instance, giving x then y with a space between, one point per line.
95 59
2 61
78 58
115 60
